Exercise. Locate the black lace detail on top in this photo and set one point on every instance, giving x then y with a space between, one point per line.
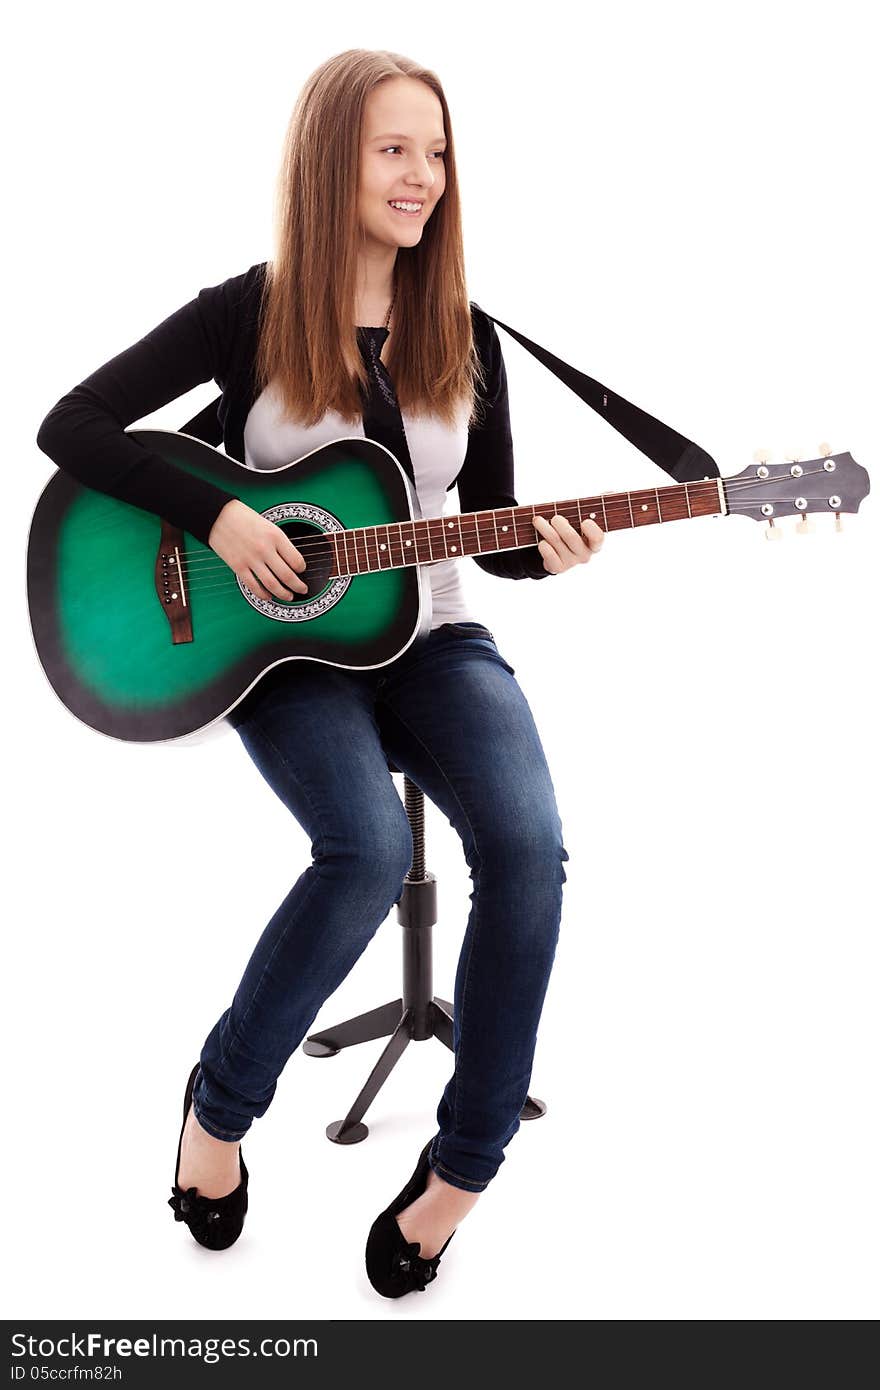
375 339
382 418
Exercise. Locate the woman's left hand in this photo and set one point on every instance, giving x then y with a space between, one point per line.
562 547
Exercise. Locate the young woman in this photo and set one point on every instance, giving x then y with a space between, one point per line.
360 325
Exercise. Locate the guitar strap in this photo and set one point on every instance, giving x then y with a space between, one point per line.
681 458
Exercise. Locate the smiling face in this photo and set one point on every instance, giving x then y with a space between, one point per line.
402 145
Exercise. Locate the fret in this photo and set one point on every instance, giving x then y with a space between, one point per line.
629 500
687 498
384 547
471 544
494 516
407 543
395 549
374 561
659 513
349 540
643 514
604 513
361 556
335 535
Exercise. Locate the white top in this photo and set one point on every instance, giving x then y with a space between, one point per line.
437 453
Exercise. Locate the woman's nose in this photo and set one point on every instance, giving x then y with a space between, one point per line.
422 172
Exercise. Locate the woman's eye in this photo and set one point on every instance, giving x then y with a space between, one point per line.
439 153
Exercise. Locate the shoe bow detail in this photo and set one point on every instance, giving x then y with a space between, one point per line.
419 1271
188 1203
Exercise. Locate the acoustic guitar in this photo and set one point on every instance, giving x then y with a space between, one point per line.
146 635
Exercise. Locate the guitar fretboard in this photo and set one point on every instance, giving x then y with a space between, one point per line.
366 549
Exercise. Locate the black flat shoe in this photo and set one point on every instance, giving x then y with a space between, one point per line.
394 1265
215 1222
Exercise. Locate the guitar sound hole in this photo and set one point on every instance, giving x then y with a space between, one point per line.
317 551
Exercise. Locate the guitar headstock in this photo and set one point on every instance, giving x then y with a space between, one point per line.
828 485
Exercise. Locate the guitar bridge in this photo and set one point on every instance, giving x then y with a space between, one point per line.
171 583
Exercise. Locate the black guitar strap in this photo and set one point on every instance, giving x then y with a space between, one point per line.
681 458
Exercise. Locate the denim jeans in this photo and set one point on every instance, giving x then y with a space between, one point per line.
451 716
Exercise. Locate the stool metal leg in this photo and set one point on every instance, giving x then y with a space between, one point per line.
350 1130
419 1014
378 1023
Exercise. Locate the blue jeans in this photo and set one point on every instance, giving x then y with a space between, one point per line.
452 717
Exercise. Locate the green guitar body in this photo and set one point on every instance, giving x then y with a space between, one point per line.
103 632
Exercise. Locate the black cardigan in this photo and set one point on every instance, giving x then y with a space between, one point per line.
214 336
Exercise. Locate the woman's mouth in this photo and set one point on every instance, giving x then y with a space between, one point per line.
406 209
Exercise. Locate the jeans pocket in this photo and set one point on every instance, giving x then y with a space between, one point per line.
478 633
467 630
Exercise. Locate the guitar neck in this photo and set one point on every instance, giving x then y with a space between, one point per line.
365 549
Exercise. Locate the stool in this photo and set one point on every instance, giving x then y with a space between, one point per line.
419 1014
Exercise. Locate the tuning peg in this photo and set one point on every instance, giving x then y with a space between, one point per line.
791 457
805 525
825 450
772 531
762 456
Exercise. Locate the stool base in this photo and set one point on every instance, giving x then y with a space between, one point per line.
399 1024
419 1014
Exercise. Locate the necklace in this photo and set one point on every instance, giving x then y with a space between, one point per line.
390 307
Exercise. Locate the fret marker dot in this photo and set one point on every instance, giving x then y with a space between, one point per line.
644 506
455 547
504 528
592 516
382 546
409 542
450 524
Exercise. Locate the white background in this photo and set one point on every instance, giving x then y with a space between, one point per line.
679 199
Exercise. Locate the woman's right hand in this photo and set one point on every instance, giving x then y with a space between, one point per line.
257 551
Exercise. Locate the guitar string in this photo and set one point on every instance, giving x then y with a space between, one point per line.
606 501
623 503
229 579
224 575
212 565
318 542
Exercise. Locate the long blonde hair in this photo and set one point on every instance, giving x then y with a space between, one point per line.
307 340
